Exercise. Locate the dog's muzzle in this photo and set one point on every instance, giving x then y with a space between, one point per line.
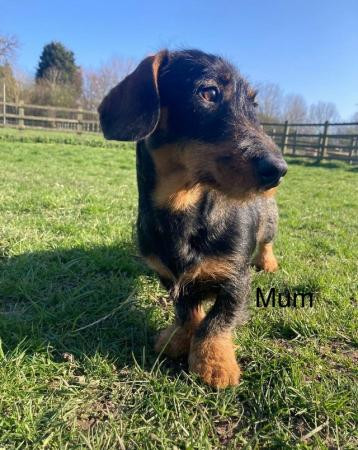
270 169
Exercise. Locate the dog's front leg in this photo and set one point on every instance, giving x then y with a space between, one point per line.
174 341
212 353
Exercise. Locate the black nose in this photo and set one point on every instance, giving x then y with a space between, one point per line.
270 169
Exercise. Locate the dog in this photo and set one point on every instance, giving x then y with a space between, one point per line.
206 174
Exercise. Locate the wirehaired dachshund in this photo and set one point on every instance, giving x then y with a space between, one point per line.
206 175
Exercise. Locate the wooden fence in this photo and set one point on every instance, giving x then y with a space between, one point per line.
316 140
48 117
313 140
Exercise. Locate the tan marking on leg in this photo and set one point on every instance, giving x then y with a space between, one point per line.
209 269
212 269
265 259
174 341
156 264
213 359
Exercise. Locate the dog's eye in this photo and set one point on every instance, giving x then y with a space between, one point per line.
209 93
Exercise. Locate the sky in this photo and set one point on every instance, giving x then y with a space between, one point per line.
307 47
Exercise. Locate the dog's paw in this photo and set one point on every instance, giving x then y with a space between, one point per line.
213 359
173 341
265 259
267 264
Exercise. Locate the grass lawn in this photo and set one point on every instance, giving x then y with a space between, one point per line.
79 311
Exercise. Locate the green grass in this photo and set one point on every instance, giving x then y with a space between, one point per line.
68 259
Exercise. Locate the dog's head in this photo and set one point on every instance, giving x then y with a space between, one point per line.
200 105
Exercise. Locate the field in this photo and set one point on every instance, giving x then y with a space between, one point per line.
79 311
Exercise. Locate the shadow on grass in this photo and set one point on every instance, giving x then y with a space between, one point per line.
47 297
353 169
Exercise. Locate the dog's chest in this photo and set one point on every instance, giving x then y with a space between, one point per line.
210 230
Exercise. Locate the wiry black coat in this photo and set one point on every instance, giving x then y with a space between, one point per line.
205 168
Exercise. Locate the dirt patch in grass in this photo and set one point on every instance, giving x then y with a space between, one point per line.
345 350
226 429
95 412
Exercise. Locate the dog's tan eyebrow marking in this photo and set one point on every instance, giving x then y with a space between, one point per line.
251 93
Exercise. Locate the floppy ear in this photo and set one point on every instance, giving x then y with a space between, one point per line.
130 111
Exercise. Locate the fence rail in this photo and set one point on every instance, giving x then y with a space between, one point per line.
20 115
328 141
313 140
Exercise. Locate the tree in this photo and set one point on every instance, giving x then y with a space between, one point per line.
294 108
58 78
8 48
354 119
97 82
57 65
322 111
269 99
14 83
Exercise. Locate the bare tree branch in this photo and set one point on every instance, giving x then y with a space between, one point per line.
8 47
322 111
97 82
294 108
269 99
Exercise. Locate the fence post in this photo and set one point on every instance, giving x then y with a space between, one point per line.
21 115
353 151
286 130
79 120
351 148
324 140
294 142
319 147
4 105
